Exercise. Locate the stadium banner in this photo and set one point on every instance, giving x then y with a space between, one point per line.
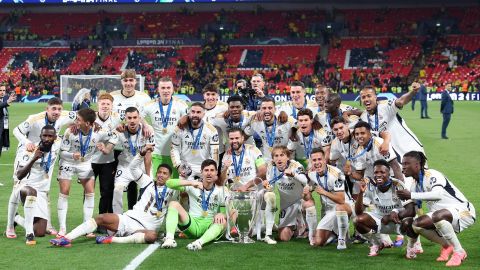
273 41
470 96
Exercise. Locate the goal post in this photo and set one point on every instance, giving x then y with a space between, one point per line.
71 84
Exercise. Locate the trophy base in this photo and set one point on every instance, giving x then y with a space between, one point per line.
243 240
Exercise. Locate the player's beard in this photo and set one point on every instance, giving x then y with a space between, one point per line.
195 121
267 117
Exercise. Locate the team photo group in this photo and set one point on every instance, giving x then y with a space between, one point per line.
242 170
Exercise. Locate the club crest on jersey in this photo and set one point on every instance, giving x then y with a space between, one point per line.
215 138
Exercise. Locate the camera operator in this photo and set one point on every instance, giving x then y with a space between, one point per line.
253 95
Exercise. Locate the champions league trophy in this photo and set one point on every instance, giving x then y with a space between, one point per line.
241 208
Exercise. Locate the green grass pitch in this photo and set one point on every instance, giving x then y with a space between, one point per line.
457 157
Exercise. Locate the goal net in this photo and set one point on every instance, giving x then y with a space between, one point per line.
70 85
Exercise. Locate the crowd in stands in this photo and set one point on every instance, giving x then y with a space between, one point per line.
407 44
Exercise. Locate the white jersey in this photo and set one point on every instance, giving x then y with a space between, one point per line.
292 111
384 202
435 181
163 127
213 199
318 139
340 151
280 136
184 150
121 102
332 181
131 144
367 155
223 125
72 143
151 209
219 108
41 172
109 124
289 188
386 118
252 159
29 130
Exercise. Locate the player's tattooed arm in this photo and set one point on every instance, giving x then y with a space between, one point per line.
359 201
384 147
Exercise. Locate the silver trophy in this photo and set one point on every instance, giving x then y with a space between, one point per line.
241 207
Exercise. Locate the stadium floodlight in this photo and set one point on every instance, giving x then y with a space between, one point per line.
329 26
71 84
438 24
221 27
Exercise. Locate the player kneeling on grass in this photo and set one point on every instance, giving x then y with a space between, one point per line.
34 176
389 215
449 211
139 225
206 218
289 176
328 182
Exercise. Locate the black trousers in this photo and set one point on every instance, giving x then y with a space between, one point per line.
106 178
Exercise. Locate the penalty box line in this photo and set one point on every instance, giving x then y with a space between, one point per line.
142 256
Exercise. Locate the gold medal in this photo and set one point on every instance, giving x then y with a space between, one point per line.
205 213
159 213
164 131
237 179
270 149
420 212
45 176
82 159
194 151
347 163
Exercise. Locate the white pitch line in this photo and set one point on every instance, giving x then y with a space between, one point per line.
4 164
142 256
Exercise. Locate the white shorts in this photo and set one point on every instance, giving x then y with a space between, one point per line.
463 216
124 176
291 216
68 170
128 225
390 228
41 210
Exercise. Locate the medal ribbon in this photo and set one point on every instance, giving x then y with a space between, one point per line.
133 148
46 165
307 145
238 166
84 147
325 179
206 202
159 201
271 134
48 122
231 124
419 188
275 176
374 128
165 117
196 141
294 109
364 151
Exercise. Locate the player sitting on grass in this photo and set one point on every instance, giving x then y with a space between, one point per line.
139 225
389 214
205 219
